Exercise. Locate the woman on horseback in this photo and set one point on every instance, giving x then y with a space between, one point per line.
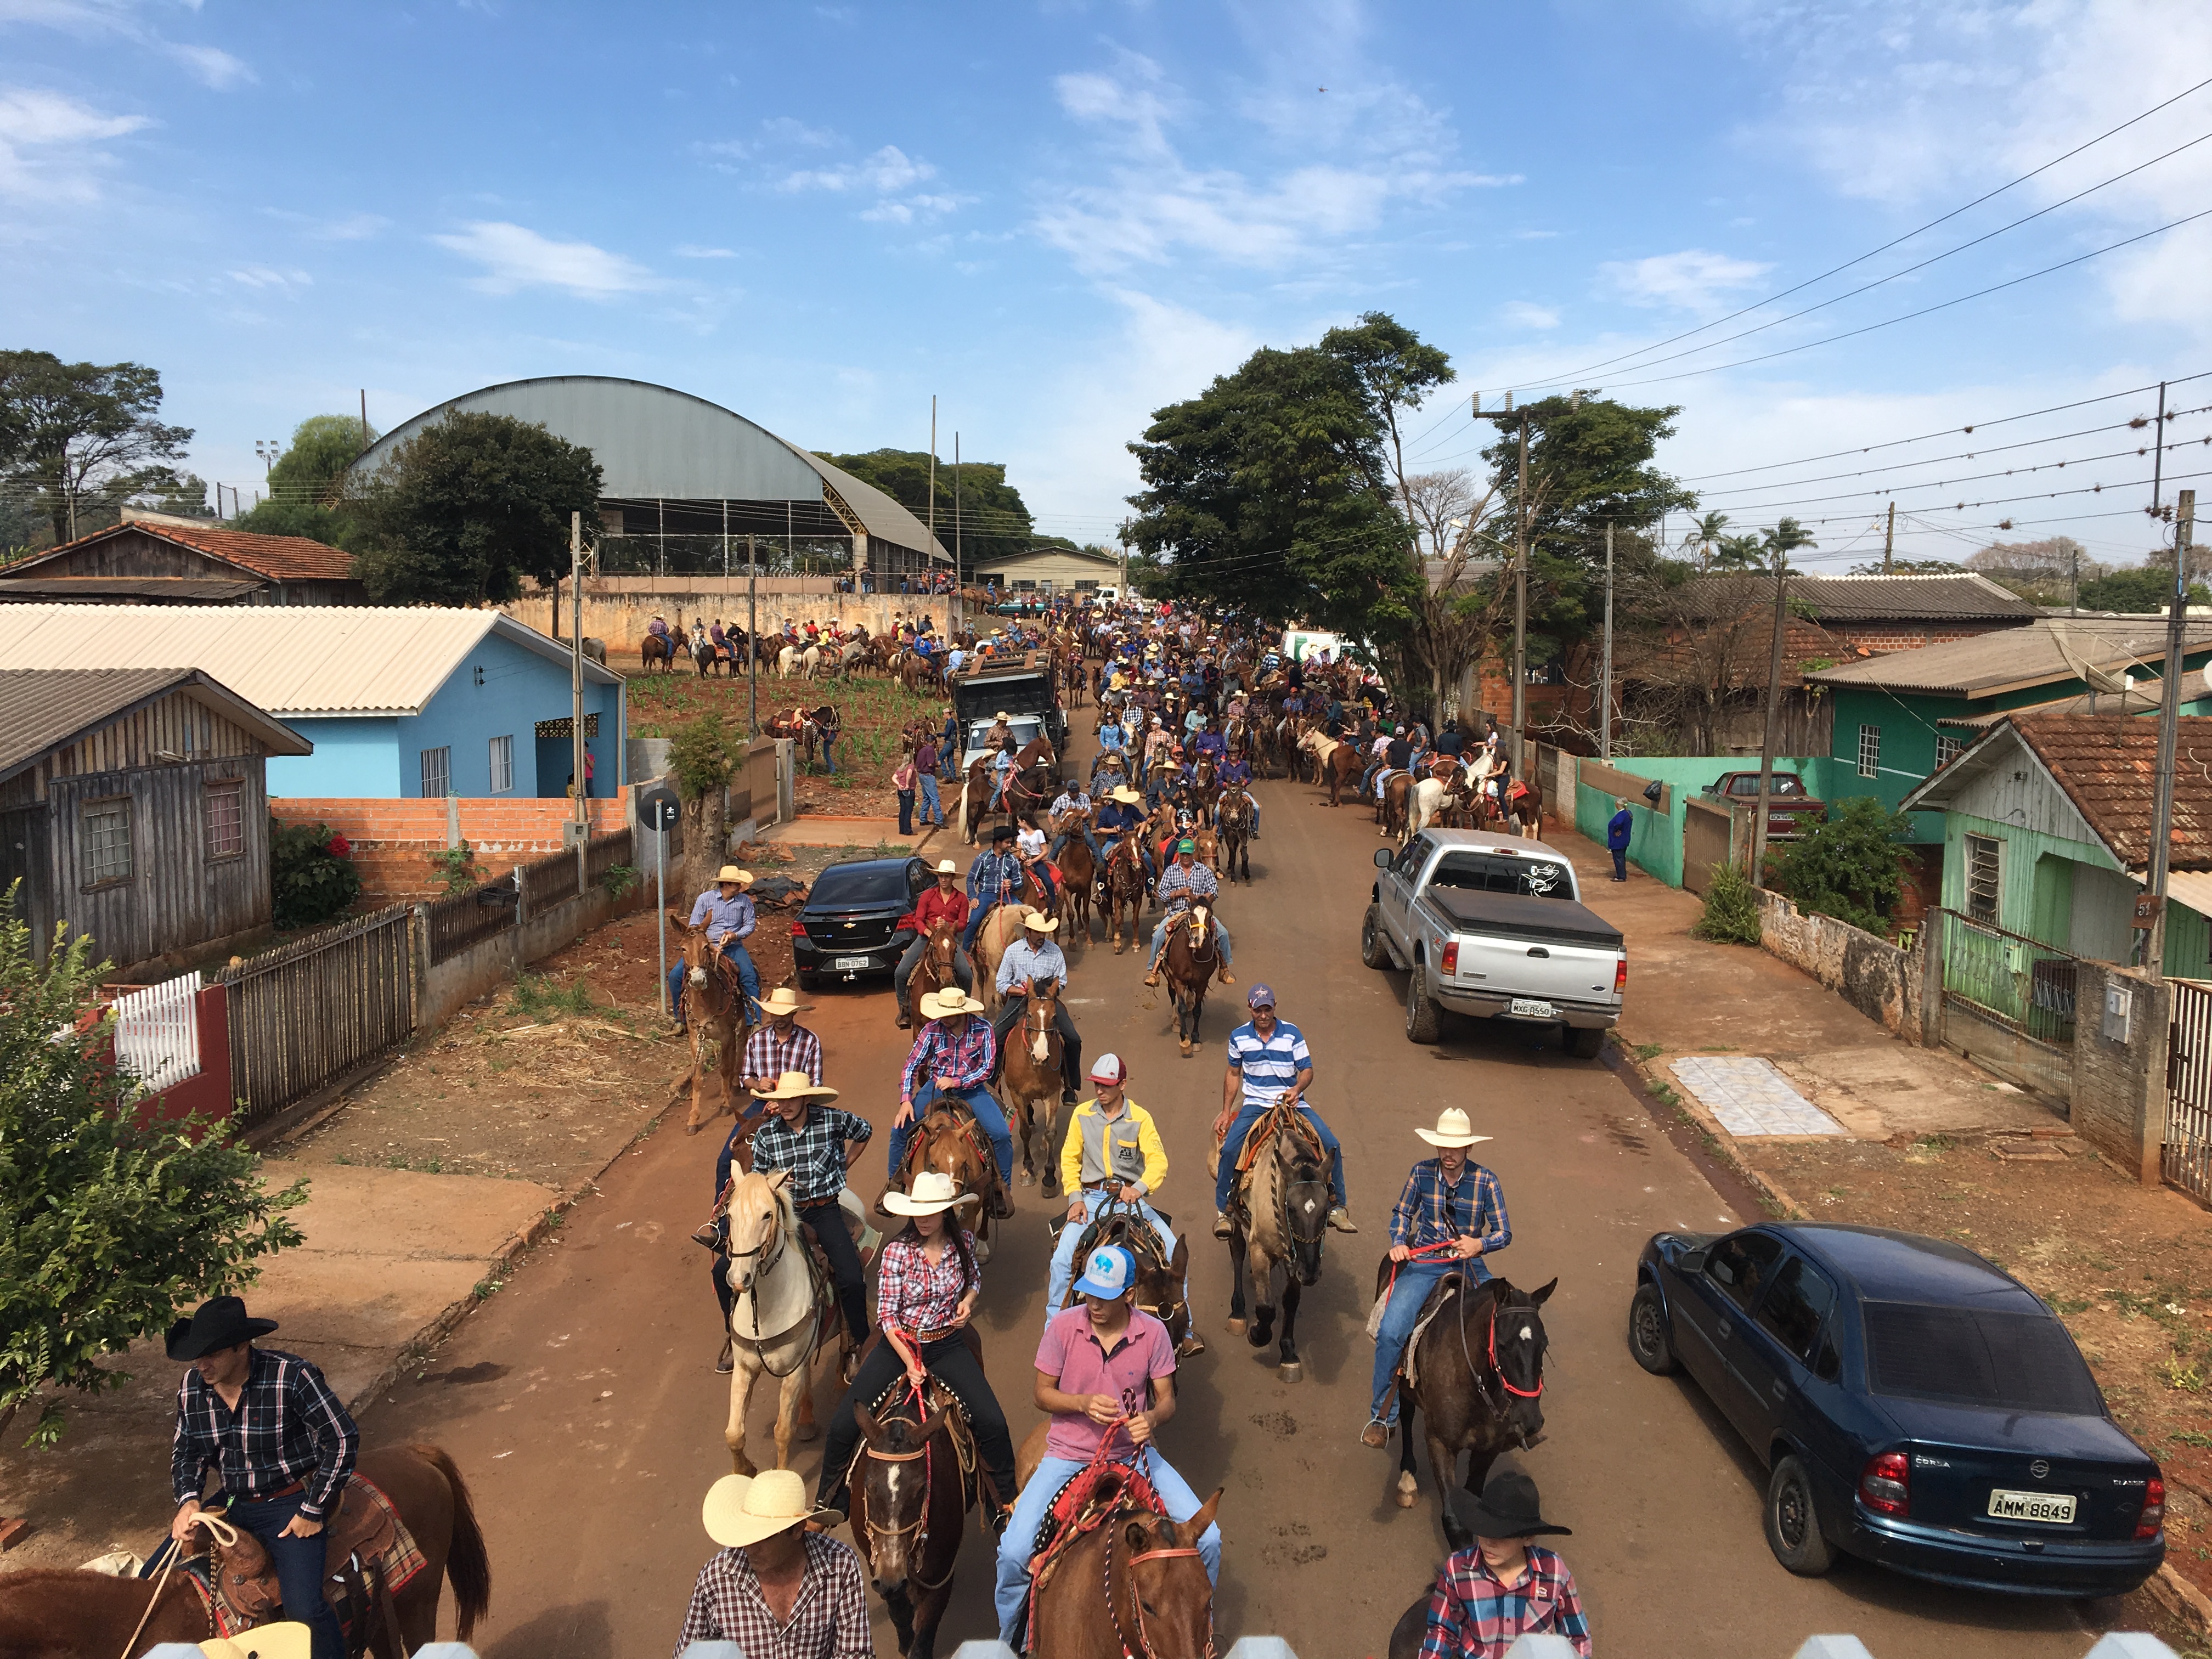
925 1291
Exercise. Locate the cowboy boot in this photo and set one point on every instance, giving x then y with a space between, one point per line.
726 1361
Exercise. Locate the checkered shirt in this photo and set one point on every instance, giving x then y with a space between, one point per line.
1471 1615
1179 888
289 1426
814 1152
916 1296
965 1058
1432 1210
769 1054
829 1621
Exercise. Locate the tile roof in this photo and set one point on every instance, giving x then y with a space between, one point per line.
289 660
2107 764
1743 647
1965 596
2049 648
280 558
43 708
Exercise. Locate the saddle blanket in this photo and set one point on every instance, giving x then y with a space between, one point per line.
402 1562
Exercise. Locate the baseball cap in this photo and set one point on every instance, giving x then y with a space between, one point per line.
1108 1272
1186 845
1260 996
1108 1068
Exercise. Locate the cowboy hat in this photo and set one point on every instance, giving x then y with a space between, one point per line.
943 1005
947 867
1038 922
796 1085
1128 797
1507 1509
1452 1130
215 1325
731 873
287 1638
742 1509
782 1000
1002 715
934 1193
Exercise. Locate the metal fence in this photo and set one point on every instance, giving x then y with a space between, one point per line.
466 919
2019 982
2186 1157
157 1032
310 1012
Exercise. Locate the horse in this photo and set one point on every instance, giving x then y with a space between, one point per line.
1393 805
1424 804
1278 1218
999 930
1077 873
1030 1083
1233 819
1209 846
949 1140
975 791
1334 763
934 972
1524 806
909 1530
1476 1369
46 1611
704 655
783 1312
1160 1277
713 1006
1125 888
1132 1583
656 649
1192 956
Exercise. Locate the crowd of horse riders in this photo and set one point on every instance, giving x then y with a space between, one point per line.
918 1439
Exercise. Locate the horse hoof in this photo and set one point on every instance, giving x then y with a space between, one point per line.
1293 1372
983 1251
807 1431
1236 1327
1405 1499
1186 1050
1027 1178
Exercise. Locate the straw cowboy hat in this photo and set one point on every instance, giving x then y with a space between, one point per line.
1002 715
943 1005
1038 922
731 873
796 1085
947 867
1128 797
286 1640
782 1000
1452 1130
742 1509
934 1193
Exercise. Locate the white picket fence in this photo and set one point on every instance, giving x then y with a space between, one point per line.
157 1032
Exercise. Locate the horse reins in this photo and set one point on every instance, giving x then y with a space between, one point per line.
770 1251
221 1532
1142 1648
920 1526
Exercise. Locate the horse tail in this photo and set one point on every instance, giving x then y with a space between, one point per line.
467 1565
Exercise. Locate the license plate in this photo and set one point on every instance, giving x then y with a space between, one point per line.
1531 1007
2057 1508
852 962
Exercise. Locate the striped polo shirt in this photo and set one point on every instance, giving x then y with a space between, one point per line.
1269 1068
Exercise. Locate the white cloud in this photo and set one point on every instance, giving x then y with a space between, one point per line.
515 257
210 65
48 145
213 66
889 169
688 251
267 276
1692 280
346 227
1521 314
783 128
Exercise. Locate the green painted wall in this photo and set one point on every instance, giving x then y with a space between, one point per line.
1655 843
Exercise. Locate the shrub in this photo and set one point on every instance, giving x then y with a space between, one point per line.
1731 914
311 874
456 866
1848 867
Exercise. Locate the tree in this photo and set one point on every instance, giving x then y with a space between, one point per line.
1848 866
461 513
1909 568
992 522
703 755
108 1226
1703 535
307 486
1784 540
82 438
2141 590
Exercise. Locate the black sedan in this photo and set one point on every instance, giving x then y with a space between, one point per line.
853 921
1914 1405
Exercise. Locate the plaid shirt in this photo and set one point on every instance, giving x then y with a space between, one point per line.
966 1058
994 877
915 1296
829 1621
1431 1211
769 1054
1471 1615
814 1152
289 1426
1179 887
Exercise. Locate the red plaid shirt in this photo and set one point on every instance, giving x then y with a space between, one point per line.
770 1054
829 1621
1473 1615
914 1295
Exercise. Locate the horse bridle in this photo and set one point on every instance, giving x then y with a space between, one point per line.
1142 1647
770 1251
920 1525
1498 1407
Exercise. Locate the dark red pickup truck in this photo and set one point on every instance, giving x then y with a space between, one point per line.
1790 810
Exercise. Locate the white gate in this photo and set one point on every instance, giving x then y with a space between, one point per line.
157 1033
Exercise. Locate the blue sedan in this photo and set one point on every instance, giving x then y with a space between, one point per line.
1915 1406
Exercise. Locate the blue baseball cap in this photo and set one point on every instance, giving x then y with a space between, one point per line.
1260 996
1108 1272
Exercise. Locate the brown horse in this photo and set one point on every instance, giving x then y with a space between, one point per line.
1133 1584
1278 1218
1479 1371
949 1141
1334 763
936 971
1524 807
1079 873
712 1006
1160 1276
656 650
1394 804
48 1614
975 791
1234 820
1192 959
1209 846
1031 1084
1125 889
907 1528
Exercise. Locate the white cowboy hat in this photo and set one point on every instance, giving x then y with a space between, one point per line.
943 1005
1038 922
934 1193
1452 1130
794 1085
782 1000
731 873
947 867
1128 797
742 1509
285 1639
1002 715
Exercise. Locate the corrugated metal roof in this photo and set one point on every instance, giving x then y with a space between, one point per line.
1964 597
42 709
84 590
289 660
2047 649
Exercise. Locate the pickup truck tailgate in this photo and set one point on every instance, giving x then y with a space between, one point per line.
1551 949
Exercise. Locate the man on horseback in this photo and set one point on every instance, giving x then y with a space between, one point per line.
943 902
1235 773
995 878
954 1056
817 1143
1268 1061
1450 1215
283 1447
1072 799
1105 1375
1185 883
1113 1153
1503 1587
1029 960
774 1587
729 918
1122 815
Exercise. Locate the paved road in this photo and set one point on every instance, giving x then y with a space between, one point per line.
581 1404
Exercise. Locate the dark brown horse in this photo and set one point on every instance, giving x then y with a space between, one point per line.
1125 889
1278 1218
936 971
1233 819
656 650
911 1500
1160 1275
1031 1082
713 1006
1079 873
46 1614
1479 1369
1192 959
952 1142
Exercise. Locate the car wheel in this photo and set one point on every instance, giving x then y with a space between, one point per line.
1372 951
1421 1011
1793 1524
1584 1042
1650 1343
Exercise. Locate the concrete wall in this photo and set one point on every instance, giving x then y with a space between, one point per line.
617 608
448 986
392 840
2119 1083
1879 979
1655 839
353 755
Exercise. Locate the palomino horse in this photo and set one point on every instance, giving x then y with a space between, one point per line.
1278 1218
712 1006
1192 959
1233 819
49 1613
908 1530
1476 1369
1031 1085
783 1312
1125 889
999 930
1334 763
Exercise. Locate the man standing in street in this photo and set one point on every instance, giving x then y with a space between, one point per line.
1268 1061
729 918
816 1142
1619 829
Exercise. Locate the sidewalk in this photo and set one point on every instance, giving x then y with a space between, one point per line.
812 830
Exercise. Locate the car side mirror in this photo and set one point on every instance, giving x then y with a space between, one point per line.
1382 856
1690 1262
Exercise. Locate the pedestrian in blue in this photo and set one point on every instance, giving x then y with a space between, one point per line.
1618 830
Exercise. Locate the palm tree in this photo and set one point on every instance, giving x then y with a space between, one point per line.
1784 540
1744 552
1702 536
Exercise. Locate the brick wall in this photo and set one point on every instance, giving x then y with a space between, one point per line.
393 840
1905 635
2119 1087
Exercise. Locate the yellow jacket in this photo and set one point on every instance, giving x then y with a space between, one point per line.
1128 1148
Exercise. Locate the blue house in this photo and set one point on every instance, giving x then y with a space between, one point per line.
399 701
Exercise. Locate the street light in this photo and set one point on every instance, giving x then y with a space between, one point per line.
268 449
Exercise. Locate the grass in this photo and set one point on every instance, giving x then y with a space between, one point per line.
1650 1050
875 710
539 995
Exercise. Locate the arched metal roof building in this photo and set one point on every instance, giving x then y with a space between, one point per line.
677 465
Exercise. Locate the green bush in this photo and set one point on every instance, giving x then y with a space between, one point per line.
1849 867
1731 914
311 874
456 866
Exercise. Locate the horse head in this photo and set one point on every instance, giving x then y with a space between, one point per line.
1161 1601
1517 1343
761 1221
944 940
894 1481
1037 1018
1304 1216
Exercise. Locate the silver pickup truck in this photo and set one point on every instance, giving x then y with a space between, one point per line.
1492 926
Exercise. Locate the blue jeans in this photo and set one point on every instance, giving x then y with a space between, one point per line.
932 807
748 977
1233 1142
828 759
1063 1254
1220 932
298 1564
1415 1282
1019 1541
1089 840
976 915
988 1114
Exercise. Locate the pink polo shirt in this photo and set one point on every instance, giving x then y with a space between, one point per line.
1072 1352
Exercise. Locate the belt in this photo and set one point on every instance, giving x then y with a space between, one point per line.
270 1496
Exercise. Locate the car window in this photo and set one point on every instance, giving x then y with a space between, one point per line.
1741 1266
2016 1362
1779 784
1489 872
1409 862
850 885
1794 1307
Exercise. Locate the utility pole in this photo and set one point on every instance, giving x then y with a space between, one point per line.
1520 576
2158 452
2074 587
1605 673
1889 539
364 420
956 525
752 638
1773 714
576 694
2169 726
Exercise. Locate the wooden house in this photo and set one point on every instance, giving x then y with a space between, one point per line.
158 559
134 808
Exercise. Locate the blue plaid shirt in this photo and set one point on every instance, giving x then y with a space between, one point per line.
995 876
1432 1210
289 1426
814 1152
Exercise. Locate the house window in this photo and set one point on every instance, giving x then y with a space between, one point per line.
107 840
502 765
1947 750
1869 750
222 818
437 773
1985 871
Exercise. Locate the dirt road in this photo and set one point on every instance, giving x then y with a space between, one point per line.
581 1402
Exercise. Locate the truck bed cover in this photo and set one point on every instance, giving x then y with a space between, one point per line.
1518 916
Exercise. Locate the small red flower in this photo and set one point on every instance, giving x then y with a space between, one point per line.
339 846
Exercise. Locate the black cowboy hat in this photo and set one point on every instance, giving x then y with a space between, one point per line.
1003 832
1507 1508
215 1325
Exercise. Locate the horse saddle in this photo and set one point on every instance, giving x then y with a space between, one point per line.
864 1237
939 1396
1438 1298
365 1530
1275 1118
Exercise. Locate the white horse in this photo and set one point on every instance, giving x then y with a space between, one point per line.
1422 805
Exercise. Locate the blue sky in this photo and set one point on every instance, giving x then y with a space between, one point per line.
1057 216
